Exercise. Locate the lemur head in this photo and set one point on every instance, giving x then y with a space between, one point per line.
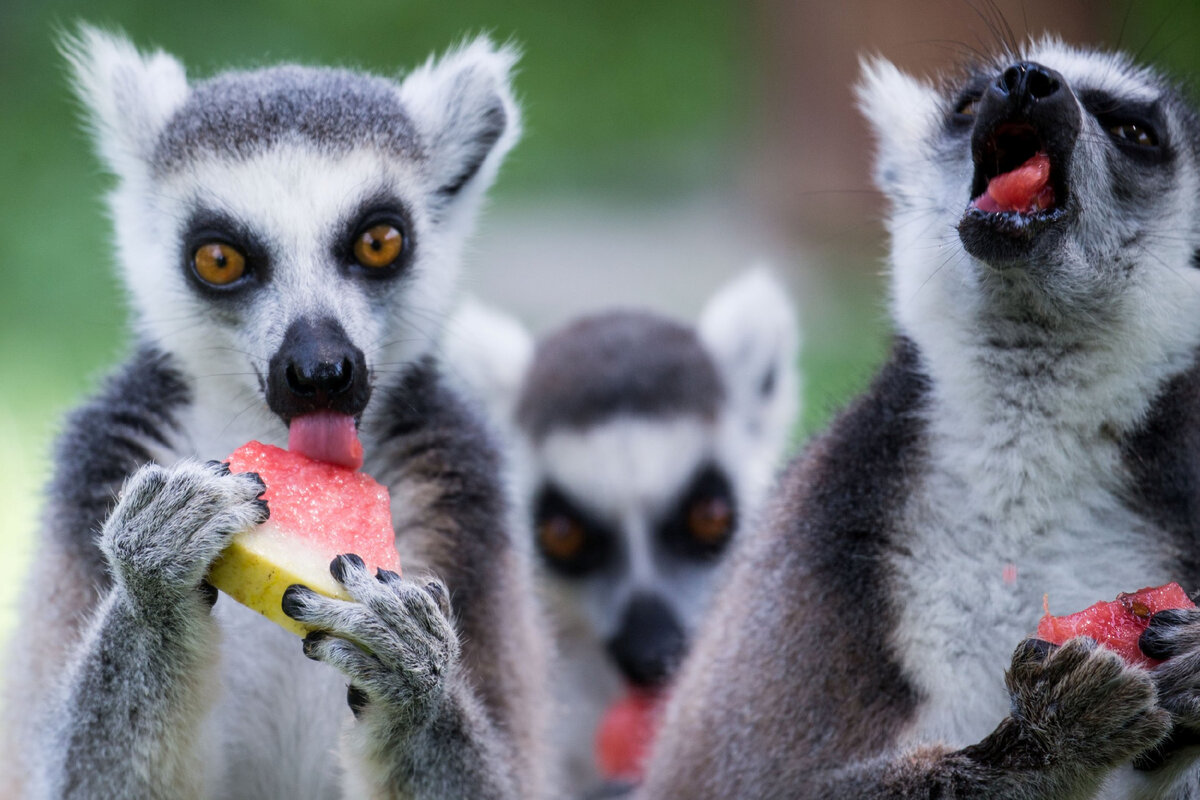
646 445
1053 187
288 234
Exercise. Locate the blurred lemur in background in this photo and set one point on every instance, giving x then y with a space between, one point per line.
1036 431
290 239
642 447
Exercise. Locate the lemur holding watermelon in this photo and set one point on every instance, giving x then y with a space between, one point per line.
289 238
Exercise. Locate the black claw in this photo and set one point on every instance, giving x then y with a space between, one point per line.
337 567
1035 651
266 509
1156 641
386 575
293 599
258 479
208 593
311 641
220 467
357 699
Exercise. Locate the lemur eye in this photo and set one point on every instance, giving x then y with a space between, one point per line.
1134 133
218 263
709 520
561 537
378 246
967 106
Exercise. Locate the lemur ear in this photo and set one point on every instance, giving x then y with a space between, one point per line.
902 112
487 353
750 328
464 108
129 96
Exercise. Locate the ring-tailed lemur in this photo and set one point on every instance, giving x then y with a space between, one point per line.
1035 432
643 445
289 238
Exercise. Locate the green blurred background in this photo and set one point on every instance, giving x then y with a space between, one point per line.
668 143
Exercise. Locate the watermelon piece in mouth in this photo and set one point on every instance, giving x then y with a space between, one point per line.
318 511
1024 190
1116 624
326 436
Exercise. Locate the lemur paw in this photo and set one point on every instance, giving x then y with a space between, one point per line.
1082 706
170 523
1174 635
395 643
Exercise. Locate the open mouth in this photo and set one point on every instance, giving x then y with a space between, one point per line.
1015 176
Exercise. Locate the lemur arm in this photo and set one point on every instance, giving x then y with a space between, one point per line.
462 607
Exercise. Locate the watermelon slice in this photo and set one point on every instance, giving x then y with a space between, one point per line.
1025 189
1116 624
318 511
625 734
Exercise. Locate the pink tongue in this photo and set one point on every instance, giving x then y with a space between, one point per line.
326 436
1025 189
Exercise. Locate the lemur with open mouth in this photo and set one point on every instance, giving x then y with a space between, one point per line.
1036 431
289 238
643 448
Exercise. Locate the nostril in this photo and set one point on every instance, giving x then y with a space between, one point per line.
1041 84
339 377
1010 79
300 383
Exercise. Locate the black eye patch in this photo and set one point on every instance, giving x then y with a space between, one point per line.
704 519
207 226
569 540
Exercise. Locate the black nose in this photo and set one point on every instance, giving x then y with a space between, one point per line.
317 368
650 642
1027 79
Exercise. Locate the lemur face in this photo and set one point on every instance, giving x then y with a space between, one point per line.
647 446
1105 212
290 235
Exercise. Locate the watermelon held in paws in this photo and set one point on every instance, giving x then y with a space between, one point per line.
318 510
625 734
1117 624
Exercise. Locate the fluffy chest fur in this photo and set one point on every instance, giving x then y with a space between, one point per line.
1024 494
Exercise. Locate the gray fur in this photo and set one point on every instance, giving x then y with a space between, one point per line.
1038 412
242 113
599 367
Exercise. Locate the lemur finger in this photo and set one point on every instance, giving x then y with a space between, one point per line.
399 603
139 490
346 657
1171 632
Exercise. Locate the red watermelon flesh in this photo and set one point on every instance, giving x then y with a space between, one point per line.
625 734
1117 624
1025 189
318 511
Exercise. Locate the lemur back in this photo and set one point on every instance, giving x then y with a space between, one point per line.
643 450
1033 433
290 239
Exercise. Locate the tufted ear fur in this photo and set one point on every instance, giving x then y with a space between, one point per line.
464 108
750 328
486 353
902 112
129 96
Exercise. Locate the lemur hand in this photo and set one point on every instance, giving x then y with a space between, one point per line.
395 643
170 523
1080 707
1174 635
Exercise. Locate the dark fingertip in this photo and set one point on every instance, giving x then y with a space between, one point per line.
357 699
436 591
311 641
1155 643
264 507
1170 617
257 479
208 593
293 598
339 565
386 575
219 467
1035 651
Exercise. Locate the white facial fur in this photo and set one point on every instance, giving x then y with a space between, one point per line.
294 197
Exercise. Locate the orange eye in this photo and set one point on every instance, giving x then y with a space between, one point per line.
1134 134
710 519
219 264
967 107
561 537
378 246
